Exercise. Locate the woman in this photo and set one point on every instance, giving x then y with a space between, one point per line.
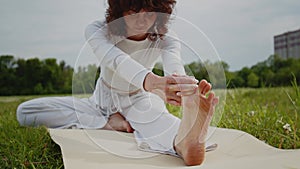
128 96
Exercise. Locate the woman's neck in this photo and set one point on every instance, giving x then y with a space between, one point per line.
140 37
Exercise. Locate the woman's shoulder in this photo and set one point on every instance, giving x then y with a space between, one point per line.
97 24
99 28
95 27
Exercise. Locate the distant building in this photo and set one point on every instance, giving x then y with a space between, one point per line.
287 45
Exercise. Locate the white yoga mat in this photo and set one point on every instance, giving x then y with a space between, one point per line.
88 149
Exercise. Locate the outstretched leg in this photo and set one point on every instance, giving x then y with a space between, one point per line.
197 113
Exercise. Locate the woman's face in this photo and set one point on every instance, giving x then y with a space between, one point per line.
138 24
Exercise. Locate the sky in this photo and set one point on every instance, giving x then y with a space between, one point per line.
241 31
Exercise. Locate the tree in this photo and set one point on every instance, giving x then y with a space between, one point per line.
85 78
233 80
7 74
266 78
252 80
243 74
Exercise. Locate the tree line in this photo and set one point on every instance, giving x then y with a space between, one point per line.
273 72
34 76
48 76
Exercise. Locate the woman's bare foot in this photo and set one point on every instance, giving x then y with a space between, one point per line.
117 122
197 113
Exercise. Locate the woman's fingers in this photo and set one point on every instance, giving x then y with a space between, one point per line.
181 87
186 93
172 97
174 102
176 75
179 90
166 81
180 79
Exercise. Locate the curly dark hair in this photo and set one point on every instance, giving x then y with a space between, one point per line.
117 7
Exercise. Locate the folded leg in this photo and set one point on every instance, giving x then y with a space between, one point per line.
60 112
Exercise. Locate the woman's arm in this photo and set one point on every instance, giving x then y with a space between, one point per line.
171 57
112 57
177 83
115 59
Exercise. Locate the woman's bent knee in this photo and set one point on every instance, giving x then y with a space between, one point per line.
20 114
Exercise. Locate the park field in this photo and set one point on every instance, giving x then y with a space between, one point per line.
270 114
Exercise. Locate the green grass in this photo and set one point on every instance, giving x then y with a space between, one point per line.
260 112
270 114
24 147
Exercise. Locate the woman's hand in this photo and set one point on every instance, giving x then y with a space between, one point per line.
171 87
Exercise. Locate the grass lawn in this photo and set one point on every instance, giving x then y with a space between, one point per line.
24 147
270 114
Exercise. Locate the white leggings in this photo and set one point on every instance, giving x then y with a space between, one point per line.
146 113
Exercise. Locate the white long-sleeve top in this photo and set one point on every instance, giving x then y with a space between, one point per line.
125 63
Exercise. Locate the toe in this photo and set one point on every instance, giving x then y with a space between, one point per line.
128 127
215 101
202 84
211 96
204 87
